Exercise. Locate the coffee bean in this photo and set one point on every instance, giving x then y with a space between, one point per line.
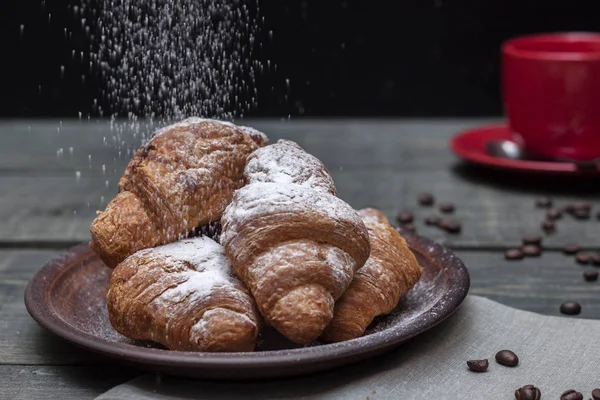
528 392
478 365
580 205
532 239
595 258
570 248
571 395
513 254
544 202
531 250
583 257
548 226
507 358
432 220
447 208
596 394
410 227
590 276
426 199
405 218
581 214
570 308
553 214
450 226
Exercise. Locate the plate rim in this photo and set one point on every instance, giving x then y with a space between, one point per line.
42 312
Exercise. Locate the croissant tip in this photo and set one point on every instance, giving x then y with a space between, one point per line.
303 313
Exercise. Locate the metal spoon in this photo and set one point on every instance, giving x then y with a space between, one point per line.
512 151
505 149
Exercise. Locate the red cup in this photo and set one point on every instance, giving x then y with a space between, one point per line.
551 90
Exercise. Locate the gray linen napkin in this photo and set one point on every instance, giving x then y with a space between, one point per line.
556 354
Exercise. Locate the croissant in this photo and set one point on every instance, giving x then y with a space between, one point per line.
293 243
388 274
184 296
182 178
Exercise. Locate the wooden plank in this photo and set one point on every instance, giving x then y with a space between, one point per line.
492 216
381 163
539 285
64 147
60 382
535 284
42 147
47 210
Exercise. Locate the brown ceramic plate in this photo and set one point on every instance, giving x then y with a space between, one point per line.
67 297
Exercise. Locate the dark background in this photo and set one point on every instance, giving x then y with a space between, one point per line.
343 58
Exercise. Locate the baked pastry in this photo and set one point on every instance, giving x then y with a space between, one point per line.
184 296
391 270
293 243
182 178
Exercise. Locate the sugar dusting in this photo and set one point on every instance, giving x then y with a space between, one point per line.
188 122
209 268
286 163
256 199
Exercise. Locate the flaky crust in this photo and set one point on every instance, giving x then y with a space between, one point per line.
388 274
183 177
293 243
184 296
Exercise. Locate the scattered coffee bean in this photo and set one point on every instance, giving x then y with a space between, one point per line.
570 308
544 202
548 226
583 257
410 227
513 254
595 258
532 239
571 395
450 226
432 220
447 208
531 250
478 365
570 248
590 276
426 199
553 214
581 214
596 394
580 205
528 392
507 358
405 218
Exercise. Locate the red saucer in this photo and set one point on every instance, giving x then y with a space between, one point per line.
471 146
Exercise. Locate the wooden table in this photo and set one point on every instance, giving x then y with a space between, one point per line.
54 176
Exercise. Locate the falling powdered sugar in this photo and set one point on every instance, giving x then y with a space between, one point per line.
160 61
168 59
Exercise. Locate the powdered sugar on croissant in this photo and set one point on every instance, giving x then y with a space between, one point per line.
185 296
286 163
292 241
